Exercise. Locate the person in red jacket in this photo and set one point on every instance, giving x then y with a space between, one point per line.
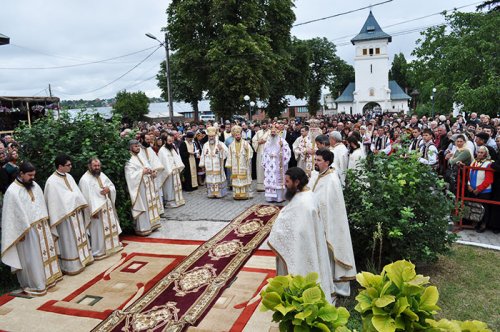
480 183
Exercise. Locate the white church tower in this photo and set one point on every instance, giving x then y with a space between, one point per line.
372 89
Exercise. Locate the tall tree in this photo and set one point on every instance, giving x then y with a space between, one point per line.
399 71
461 61
322 64
190 32
131 106
343 74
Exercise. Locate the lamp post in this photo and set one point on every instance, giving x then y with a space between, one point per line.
246 98
252 104
167 74
432 98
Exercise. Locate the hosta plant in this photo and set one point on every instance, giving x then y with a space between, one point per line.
299 304
396 300
445 325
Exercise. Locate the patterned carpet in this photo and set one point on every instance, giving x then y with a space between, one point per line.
122 286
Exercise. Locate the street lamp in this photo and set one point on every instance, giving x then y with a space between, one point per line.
432 98
167 74
252 104
246 98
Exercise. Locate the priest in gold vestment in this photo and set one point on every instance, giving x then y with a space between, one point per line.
212 158
27 243
239 161
258 141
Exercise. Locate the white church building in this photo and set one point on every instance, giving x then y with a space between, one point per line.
372 89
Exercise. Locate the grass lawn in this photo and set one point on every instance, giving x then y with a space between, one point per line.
468 280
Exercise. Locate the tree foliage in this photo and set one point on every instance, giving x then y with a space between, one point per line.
398 209
86 136
461 61
131 106
399 71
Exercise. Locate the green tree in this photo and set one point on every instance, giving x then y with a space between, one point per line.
231 49
323 63
461 61
131 106
86 136
343 74
399 71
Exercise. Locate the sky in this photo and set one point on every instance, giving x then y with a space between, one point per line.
69 35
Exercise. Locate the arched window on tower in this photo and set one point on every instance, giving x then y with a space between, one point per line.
371 69
372 92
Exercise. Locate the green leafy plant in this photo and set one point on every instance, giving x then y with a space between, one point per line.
398 208
396 299
85 136
299 304
445 325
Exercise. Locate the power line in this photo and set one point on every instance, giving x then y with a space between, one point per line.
78 64
340 14
414 19
118 78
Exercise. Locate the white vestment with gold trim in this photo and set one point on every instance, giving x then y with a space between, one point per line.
104 225
328 193
259 150
65 203
27 243
212 159
170 179
156 165
298 239
143 195
239 161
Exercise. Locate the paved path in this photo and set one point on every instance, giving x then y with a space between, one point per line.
203 217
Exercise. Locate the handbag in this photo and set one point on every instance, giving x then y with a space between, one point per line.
473 211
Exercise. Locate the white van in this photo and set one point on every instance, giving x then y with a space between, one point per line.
207 117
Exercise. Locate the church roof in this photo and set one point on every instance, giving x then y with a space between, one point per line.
397 93
371 30
347 95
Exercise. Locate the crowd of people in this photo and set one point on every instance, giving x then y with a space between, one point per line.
69 225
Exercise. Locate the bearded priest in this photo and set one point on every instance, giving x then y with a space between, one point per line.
212 159
100 193
239 161
298 236
27 244
143 194
327 188
275 163
170 178
65 203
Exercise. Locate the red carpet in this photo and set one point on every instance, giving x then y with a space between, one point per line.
184 295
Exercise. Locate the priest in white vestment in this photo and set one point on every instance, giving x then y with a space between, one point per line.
139 175
100 194
258 141
298 235
275 163
327 189
303 151
170 178
150 155
27 243
65 204
212 159
340 153
239 161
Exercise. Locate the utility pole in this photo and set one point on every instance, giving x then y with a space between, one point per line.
169 85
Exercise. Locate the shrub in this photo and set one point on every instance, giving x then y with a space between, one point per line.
396 300
398 208
299 304
86 136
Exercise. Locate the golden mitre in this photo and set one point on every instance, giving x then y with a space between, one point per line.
211 131
236 130
314 123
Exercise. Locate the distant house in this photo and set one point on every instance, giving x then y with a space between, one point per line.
372 90
15 109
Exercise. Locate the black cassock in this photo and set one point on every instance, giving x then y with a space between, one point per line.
187 184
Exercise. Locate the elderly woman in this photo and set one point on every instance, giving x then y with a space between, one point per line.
480 183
